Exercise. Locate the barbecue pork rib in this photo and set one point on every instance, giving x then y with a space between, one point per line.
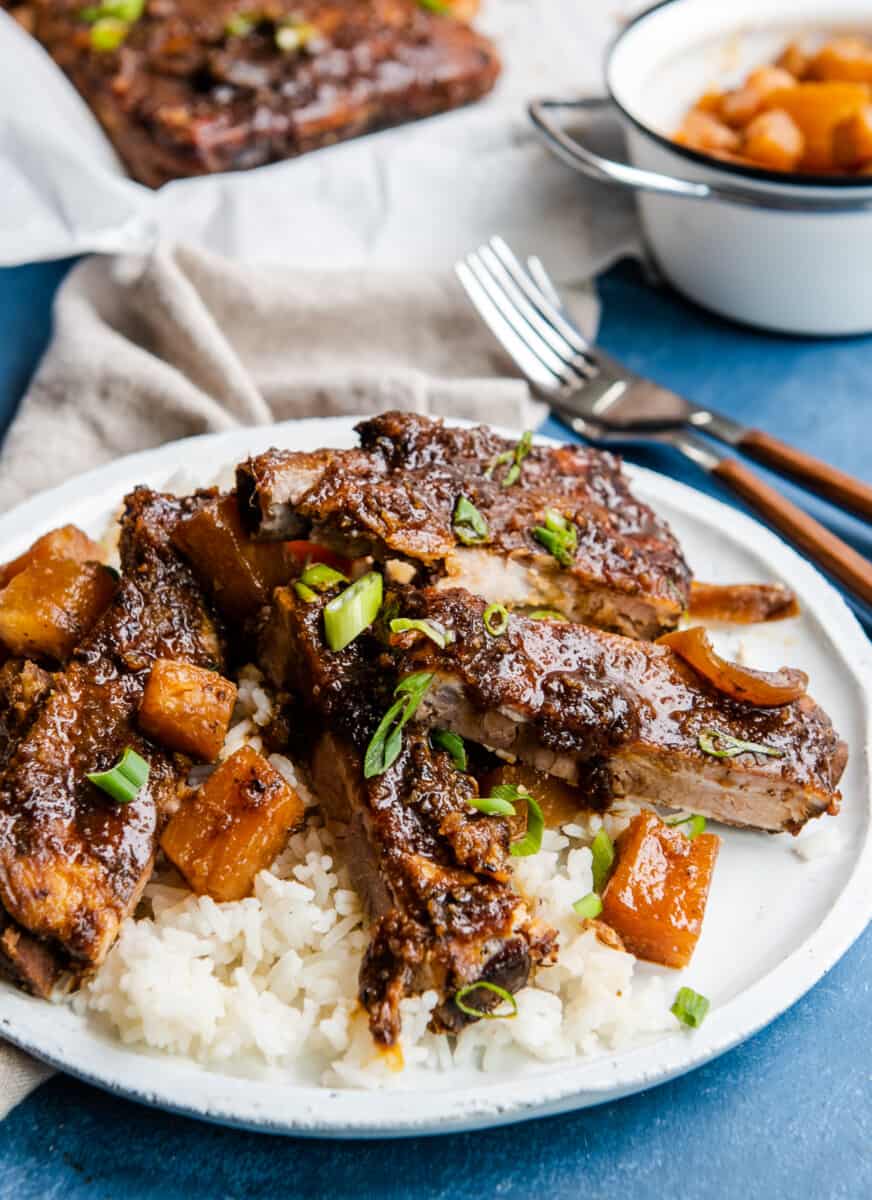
620 717
73 863
432 872
395 498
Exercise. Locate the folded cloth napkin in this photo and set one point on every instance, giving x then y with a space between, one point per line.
148 351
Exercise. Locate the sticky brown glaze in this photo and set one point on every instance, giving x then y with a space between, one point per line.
396 498
72 862
742 603
434 877
183 96
566 698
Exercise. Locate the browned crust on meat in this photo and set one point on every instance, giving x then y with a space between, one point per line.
182 96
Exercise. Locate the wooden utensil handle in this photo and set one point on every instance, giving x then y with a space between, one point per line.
844 490
828 551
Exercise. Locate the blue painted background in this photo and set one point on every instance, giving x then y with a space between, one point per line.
786 1115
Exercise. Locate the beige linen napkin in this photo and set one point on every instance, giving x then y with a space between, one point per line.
183 343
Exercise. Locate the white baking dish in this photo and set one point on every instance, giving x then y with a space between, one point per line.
783 251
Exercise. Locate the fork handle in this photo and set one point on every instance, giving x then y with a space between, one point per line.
852 570
843 489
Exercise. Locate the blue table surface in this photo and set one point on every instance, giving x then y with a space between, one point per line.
789 1112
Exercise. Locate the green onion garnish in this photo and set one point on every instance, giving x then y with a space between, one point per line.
125 779
291 36
241 24
496 619
353 610
387 741
690 1007
305 593
694 822
431 629
436 6
515 457
470 527
322 578
546 614
493 806
588 906
603 851
452 744
558 536
121 10
731 746
108 34
531 842
505 996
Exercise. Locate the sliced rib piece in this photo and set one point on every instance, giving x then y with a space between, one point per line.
73 863
621 717
396 498
432 871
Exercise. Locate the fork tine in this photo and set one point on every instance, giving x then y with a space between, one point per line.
578 364
543 281
541 301
517 349
505 304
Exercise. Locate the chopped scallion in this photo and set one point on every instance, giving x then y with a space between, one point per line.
431 629
603 851
470 527
451 743
241 24
387 741
493 806
558 536
487 986
108 34
546 614
730 746
531 842
694 822
322 578
690 1007
496 619
353 610
124 781
305 593
588 906
514 457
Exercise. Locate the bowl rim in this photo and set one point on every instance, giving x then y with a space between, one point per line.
791 179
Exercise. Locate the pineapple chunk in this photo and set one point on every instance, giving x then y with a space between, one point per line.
187 708
68 542
655 900
233 827
47 608
240 573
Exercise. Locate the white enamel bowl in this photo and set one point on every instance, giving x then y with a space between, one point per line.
774 925
785 252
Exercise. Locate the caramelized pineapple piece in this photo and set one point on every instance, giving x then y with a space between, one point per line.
187 708
774 140
703 131
559 801
47 608
655 900
240 573
67 542
847 59
817 108
233 827
852 139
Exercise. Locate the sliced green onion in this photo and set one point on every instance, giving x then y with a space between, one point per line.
305 593
290 36
353 610
558 536
431 629
546 614
470 527
436 6
694 822
588 906
121 10
690 1007
515 457
603 851
387 741
731 746
452 744
531 842
505 996
241 24
108 34
493 806
322 578
496 619
125 779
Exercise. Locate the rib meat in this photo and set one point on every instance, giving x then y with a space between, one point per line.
72 862
620 717
395 499
432 872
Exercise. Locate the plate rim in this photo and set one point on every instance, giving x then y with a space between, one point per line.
330 1112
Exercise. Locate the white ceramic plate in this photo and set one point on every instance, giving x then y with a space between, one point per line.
775 924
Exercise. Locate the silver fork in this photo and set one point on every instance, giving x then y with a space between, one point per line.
608 404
